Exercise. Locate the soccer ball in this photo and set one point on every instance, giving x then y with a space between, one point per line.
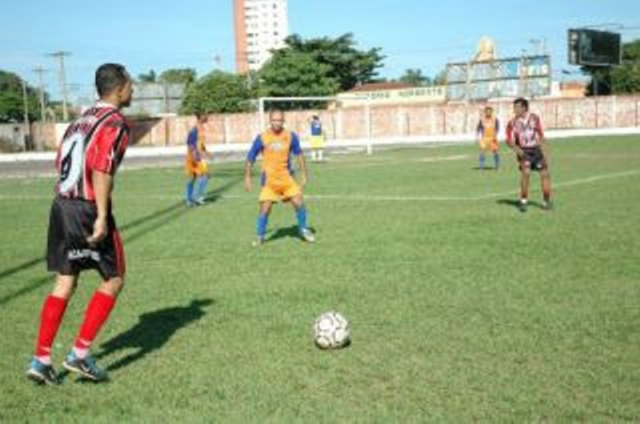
331 331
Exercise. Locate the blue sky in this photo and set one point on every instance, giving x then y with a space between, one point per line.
162 34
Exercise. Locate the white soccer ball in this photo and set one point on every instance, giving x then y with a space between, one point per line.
331 331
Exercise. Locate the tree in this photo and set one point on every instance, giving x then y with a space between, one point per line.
625 79
440 78
148 77
291 73
344 63
178 76
12 99
414 77
217 92
620 79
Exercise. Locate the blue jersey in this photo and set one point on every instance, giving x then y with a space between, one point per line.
316 128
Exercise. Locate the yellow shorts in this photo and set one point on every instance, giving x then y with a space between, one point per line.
489 145
317 141
196 169
279 192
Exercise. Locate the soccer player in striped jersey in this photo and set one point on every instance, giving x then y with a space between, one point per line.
277 145
526 137
488 129
82 231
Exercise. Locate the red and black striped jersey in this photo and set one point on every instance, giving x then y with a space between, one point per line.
525 132
96 141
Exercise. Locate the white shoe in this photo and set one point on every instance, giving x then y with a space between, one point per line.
307 235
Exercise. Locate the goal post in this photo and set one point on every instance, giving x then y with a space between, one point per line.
334 103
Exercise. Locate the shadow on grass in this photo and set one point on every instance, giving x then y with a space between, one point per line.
287 232
155 220
484 168
515 203
153 330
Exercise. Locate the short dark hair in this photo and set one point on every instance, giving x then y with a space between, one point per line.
110 77
274 111
522 102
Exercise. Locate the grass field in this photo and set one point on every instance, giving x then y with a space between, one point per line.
462 308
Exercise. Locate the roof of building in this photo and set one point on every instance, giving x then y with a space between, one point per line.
378 86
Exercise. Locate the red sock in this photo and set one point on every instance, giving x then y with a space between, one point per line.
96 315
50 319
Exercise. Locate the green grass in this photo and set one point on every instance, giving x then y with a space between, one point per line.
462 309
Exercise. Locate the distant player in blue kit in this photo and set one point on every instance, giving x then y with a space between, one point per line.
196 165
488 129
317 138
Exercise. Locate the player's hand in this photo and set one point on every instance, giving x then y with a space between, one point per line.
303 181
247 183
100 231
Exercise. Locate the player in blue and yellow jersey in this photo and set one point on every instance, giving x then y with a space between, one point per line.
277 145
488 129
317 138
195 164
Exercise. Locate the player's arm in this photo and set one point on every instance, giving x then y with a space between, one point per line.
511 140
192 144
102 186
296 149
479 131
255 150
108 143
544 146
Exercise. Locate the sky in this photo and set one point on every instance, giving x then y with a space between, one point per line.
164 34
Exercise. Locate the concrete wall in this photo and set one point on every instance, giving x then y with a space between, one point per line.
382 122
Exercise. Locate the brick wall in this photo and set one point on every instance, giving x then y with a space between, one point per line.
384 121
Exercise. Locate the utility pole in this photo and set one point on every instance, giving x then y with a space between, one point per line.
63 84
27 125
40 70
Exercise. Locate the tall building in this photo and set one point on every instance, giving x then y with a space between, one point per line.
260 26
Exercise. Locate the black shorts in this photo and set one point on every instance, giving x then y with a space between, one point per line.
68 252
532 158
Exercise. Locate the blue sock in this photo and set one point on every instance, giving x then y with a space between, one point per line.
188 193
301 216
202 186
496 160
481 160
263 218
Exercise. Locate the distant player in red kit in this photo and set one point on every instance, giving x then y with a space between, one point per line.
82 230
526 138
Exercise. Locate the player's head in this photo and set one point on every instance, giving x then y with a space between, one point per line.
202 117
315 117
276 119
520 106
114 84
488 111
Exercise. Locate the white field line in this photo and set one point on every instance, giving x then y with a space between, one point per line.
363 198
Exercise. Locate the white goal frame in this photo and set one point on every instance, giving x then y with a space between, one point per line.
365 99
